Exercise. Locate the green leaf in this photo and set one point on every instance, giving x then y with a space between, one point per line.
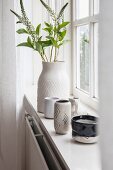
45 43
40 38
39 47
62 11
48 25
29 40
18 22
60 44
48 30
62 35
54 42
55 29
22 31
24 44
38 29
64 24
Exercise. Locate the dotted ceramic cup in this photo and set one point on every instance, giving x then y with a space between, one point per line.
62 116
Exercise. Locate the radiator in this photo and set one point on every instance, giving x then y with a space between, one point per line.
39 154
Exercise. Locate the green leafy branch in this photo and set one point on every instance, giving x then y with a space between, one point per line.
34 39
55 32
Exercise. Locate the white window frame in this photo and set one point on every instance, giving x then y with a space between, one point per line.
89 100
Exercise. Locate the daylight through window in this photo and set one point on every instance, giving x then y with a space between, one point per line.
85 33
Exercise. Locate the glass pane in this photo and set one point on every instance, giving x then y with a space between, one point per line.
82 8
96 58
83 61
96 6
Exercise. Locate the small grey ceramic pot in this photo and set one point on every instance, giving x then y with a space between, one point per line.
49 107
62 116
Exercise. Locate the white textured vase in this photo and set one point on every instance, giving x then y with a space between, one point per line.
53 82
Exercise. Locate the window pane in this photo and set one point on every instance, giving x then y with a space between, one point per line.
96 6
83 61
82 8
96 57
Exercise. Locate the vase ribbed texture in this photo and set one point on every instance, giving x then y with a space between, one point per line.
53 82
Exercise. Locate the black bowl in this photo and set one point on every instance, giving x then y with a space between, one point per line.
84 128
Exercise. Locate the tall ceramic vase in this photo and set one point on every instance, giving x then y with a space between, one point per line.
53 82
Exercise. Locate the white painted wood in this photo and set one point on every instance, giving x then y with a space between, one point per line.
106 83
86 20
88 99
42 148
34 156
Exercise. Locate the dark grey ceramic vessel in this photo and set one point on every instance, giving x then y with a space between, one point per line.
84 128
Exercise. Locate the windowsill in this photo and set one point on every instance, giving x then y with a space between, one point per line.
76 155
83 108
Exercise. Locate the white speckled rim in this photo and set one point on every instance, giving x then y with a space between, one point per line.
51 98
81 117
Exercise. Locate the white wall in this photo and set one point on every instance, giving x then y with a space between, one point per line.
106 83
16 72
2 166
8 142
38 16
